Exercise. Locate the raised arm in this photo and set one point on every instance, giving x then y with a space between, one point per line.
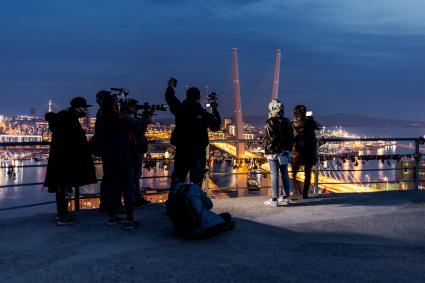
171 99
214 120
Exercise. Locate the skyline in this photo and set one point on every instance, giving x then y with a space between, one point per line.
357 57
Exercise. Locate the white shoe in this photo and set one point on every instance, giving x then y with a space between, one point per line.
284 201
271 202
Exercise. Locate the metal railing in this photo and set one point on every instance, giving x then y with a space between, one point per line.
415 155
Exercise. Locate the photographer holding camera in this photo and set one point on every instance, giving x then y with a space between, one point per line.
115 142
139 125
190 136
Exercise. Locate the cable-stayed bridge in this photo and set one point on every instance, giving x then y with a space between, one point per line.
335 181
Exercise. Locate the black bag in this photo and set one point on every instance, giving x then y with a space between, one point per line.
181 211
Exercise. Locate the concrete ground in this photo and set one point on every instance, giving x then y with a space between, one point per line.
377 237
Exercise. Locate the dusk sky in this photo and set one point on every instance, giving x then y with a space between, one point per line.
361 56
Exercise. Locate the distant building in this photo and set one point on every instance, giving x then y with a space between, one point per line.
2 124
248 136
232 130
20 138
226 124
92 122
405 174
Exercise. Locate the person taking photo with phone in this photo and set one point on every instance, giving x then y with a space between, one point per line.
190 136
304 152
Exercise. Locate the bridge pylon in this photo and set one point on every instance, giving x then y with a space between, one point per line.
50 106
240 147
275 87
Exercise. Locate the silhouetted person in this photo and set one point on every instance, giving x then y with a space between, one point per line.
278 142
70 162
305 147
115 142
190 136
102 194
139 125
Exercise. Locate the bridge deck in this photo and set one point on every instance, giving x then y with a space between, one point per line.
331 183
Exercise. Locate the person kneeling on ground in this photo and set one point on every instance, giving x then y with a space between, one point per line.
189 208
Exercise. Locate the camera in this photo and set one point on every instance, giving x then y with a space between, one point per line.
211 101
119 93
131 105
151 107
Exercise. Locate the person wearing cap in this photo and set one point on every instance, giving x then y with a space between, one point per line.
70 161
190 136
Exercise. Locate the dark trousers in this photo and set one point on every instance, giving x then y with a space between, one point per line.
307 172
118 182
102 196
136 181
189 161
61 201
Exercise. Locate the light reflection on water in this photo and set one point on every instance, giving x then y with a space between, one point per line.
237 185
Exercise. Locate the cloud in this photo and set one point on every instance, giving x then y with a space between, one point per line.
377 16
329 47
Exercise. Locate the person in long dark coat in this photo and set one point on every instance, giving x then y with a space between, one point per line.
304 152
70 161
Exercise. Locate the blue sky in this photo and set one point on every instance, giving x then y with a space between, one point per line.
362 57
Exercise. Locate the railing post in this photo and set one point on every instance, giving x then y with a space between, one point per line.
77 199
316 168
417 163
207 169
316 178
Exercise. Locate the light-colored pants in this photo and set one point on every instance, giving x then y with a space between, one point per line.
275 167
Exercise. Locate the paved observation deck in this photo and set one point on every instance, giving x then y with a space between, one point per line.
332 238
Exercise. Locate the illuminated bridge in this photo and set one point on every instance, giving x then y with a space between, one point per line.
333 184
331 178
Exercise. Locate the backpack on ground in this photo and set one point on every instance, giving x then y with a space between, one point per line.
181 211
